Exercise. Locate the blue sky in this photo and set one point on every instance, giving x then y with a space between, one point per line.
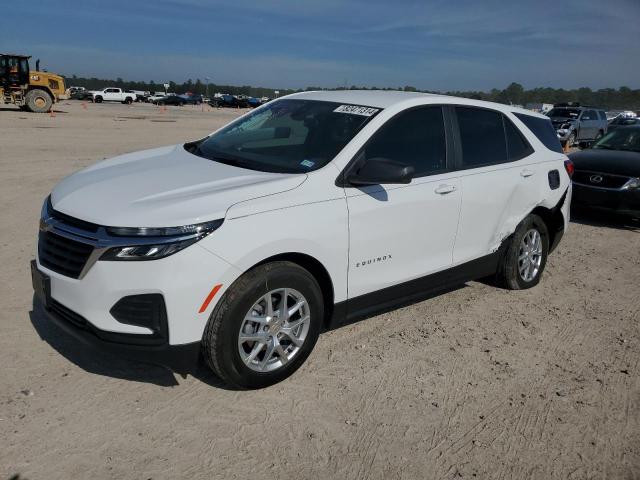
438 45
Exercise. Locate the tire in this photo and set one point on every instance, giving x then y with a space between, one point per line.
128 101
221 343
510 273
38 101
98 100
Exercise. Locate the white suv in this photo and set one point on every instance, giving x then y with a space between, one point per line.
311 211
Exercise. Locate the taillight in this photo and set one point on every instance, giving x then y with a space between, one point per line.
569 167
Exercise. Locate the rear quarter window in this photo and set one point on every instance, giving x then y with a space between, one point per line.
543 130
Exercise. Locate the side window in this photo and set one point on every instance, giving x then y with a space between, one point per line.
603 116
415 137
482 137
588 115
517 145
542 129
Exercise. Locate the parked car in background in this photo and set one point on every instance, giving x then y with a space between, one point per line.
574 123
227 100
607 175
79 93
112 94
192 99
254 102
171 100
622 121
317 209
157 96
141 95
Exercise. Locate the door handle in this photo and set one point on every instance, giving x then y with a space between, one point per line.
443 189
526 173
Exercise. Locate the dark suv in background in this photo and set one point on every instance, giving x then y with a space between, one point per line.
575 123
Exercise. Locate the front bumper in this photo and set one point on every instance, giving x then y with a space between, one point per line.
626 202
181 359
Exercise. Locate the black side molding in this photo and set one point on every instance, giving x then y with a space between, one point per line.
414 291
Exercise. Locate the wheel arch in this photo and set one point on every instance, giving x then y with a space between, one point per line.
317 270
554 220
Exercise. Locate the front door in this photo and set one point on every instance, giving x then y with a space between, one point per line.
398 233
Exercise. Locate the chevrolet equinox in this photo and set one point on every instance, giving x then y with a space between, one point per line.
309 212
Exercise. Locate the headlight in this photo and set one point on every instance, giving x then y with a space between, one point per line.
631 184
154 243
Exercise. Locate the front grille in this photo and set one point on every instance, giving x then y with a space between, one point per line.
600 180
62 255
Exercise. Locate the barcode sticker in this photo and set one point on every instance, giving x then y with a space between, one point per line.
357 110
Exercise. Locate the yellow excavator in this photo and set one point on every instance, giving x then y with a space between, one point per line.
31 90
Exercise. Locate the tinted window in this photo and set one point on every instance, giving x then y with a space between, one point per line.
589 115
603 116
543 130
481 136
517 145
415 138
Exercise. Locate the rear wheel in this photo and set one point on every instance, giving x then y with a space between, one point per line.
128 101
265 326
38 101
526 256
98 100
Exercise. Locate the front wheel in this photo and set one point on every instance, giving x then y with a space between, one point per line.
526 256
38 101
265 326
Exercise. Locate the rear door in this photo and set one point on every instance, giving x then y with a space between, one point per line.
399 233
499 179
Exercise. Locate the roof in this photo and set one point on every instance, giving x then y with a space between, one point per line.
369 98
387 98
14 55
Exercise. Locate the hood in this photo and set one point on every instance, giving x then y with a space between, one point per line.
617 162
162 187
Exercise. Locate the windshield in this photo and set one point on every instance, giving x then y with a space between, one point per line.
286 136
564 113
621 139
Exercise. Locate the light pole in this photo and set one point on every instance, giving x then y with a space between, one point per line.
207 79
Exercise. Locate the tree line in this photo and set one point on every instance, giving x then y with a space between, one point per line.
515 94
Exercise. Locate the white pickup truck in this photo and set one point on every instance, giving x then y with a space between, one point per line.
112 94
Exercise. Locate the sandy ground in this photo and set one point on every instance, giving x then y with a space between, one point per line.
477 383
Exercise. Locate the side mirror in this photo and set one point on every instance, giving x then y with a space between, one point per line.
377 171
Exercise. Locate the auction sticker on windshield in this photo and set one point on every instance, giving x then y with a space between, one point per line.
356 110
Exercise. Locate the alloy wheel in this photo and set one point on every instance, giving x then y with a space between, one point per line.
274 329
530 255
